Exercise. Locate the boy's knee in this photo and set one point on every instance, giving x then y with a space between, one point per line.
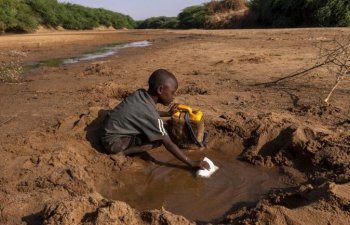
117 145
156 144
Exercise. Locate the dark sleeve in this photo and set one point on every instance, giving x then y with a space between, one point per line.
152 127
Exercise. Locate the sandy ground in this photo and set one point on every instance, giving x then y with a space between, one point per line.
52 167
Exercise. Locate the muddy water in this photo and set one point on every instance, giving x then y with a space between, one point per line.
177 190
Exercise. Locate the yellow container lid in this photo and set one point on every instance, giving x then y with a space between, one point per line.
195 115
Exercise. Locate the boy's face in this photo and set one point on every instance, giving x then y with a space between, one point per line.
167 92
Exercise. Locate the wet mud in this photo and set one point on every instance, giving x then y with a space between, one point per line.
165 183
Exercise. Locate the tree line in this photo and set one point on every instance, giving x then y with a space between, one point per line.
27 15
259 13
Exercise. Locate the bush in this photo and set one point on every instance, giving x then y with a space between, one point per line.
10 73
286 13
161 22
16 16
49 11
334 13
193 17
225 5
26 15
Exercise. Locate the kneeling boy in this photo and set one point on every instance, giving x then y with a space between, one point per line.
135 126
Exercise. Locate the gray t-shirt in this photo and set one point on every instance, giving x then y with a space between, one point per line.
136 115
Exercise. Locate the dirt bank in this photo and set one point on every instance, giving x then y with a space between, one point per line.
52 164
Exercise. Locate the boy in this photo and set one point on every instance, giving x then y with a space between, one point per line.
135 126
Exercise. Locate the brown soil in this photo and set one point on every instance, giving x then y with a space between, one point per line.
52 165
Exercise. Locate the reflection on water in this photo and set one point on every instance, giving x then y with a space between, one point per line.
178 191
100 53
106 51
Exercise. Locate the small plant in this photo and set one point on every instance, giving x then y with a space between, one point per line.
11 72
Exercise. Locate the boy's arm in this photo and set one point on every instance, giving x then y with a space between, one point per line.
164 114
170 112
174 149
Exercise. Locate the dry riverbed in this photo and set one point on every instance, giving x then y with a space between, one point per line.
284 150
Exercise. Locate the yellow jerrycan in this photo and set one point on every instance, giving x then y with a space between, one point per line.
187 128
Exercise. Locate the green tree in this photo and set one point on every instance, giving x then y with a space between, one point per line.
286 13
161 22
334 13
193 17
16 16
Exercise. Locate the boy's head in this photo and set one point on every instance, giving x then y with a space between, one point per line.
163 84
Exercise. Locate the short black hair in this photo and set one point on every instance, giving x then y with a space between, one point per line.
158 78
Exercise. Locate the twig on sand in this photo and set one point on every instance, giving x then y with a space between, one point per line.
298 73
336 59
333 89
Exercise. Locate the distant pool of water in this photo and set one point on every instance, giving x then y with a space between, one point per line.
103 52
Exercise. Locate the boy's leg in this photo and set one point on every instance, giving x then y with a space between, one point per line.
117 145
140 144
141 148
129 145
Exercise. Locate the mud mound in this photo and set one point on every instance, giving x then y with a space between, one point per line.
114 90
108 93
239 125
272 140
279 144
316 110
94 209
302 205
285 142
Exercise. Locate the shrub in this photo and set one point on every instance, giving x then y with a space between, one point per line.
16 16
225 5
334 13
26 15
286 13
193 17
10 73
161 22
50 11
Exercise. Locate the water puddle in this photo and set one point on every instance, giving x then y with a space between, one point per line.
200 199
100 53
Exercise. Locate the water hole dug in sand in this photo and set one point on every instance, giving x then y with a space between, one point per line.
173 187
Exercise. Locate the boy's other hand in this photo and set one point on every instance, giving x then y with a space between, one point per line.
173 109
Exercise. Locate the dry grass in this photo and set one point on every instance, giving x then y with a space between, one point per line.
11 68
228 14
11 72
226 6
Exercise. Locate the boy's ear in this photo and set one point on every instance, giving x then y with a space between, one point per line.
160 89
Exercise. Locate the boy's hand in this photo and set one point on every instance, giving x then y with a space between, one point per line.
201 165
173 109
